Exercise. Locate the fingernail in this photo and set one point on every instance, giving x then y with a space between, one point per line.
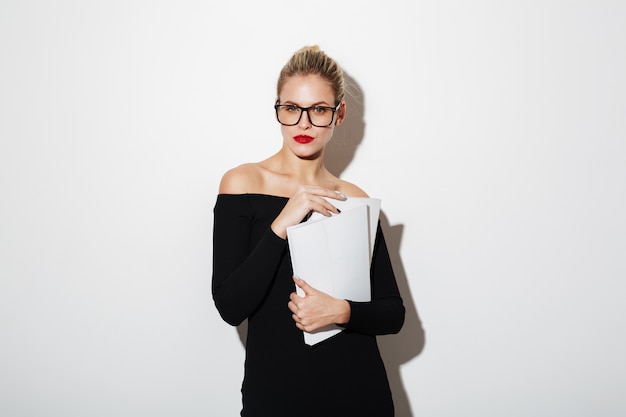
342 195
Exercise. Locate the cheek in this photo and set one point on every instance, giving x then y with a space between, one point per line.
285 131
329 132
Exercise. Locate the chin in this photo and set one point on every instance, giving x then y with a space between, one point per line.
309 156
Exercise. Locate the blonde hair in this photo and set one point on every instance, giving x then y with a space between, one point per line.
312 60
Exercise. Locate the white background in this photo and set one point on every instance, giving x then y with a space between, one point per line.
493 131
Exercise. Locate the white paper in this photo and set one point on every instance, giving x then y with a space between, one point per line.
373 205
333 254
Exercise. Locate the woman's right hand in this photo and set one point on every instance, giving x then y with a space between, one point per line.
305 200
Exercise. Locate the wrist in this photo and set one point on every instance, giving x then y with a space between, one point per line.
343 316
278 230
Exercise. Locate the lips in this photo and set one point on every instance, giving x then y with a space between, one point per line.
303 139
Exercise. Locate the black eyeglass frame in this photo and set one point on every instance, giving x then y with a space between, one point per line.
306 109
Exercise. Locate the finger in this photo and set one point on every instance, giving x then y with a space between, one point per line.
325 192
314 198
298 281
304 286
338 195
323 206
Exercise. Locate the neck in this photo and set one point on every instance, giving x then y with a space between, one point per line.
304 171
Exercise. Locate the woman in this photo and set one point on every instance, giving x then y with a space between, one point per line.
252 276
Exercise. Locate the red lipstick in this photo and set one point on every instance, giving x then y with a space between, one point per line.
303 139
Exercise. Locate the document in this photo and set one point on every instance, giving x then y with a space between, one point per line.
333 254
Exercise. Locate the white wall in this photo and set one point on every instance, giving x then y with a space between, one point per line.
493 131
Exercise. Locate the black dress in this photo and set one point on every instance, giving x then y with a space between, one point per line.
252 278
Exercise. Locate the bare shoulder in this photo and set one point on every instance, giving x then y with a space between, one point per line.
352 190
245 178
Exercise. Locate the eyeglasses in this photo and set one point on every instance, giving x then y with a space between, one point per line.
320 116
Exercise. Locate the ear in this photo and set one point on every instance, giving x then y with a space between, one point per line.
341 114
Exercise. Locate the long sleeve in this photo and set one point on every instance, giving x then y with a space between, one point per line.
384 314
244 267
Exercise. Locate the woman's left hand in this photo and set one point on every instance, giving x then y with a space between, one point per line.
316 309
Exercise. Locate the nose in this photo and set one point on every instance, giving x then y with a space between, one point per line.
305 122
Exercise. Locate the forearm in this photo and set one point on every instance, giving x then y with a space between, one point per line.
384 316
239 286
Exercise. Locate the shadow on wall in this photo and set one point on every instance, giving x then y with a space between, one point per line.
348 136
399 349
409 343
406 345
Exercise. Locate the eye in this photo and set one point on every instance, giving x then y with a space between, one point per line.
320 109
292 108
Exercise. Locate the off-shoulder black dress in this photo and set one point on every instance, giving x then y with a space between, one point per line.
252 279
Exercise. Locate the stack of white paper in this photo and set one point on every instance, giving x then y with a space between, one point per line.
333 254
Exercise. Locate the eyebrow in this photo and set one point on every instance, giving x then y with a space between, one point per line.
319 103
